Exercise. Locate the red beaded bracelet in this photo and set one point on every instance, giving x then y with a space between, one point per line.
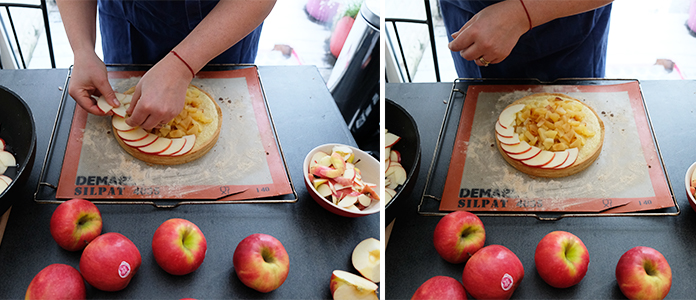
185 63
527 12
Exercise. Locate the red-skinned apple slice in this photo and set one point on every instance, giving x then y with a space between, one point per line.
120 123
366 259
572 156
159 146
149 139
347 201
104 106
133 135
6 179
534 151
558 160
317 158
119 111
515 139
390 139
349 286
507 116
519 148
190 142
176 146
395 156
542 159
7 159
3 186
502 131
389 193
2 144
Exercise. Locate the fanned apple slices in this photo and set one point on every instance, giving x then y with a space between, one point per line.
549 135
185 138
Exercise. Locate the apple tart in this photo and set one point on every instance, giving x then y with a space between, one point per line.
549 135
187 137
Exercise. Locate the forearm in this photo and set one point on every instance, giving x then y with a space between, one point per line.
228 23
543 11
79 20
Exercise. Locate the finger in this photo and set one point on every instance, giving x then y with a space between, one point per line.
134 101
102 84
471 53
461 42
150 122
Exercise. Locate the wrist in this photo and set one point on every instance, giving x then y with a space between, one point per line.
183 61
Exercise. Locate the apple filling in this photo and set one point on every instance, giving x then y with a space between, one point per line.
553 124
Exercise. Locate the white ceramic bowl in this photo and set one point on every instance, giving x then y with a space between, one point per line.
369 168
687 185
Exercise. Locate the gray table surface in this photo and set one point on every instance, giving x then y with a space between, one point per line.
316 240
411 258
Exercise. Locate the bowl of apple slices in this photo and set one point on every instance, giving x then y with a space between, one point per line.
690 184
401 158
343 180
17 144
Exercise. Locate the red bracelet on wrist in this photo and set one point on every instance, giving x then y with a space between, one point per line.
183 61
527 12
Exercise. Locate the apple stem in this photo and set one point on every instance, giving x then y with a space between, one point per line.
267 255
649 268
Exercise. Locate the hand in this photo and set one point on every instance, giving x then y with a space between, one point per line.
160 94
491 33
88 77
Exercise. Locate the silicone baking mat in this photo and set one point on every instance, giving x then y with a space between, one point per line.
245 163
628 176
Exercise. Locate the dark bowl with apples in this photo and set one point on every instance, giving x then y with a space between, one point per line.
18 134
399 122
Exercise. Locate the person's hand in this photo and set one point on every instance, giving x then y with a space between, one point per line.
488 38
160 94
88 77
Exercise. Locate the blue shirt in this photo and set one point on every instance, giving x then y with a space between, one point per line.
569 47
143 32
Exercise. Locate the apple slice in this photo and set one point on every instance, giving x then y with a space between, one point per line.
324 190
2 144
317 157
515 139
160 145
120 123
348 201
348 286
519 148
3 186
190 142
7 159
534 151
104 106
366 259
542 159
572 156
390 139
133 135
397 175
395 156
6 179
119 111
502 131
558 159
507 116
149 139
176 146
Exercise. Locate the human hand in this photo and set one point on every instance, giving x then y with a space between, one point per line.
491 34
159 95
88 77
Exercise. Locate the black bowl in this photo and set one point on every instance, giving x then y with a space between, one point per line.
399 122
18 130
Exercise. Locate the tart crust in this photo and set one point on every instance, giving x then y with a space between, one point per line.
205 140
585 157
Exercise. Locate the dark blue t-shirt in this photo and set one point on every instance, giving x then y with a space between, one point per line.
143 32
570 47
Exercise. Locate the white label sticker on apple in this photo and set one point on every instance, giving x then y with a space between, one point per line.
124 269
506 282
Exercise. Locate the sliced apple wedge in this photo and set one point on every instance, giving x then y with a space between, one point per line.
572 156
390 139
508 115
119 111
317 158
519 148
3 186
176 146
104 106
502 131
366 259
515 139
542 159
348 286
190 142
119 123
127 99
2 144
534 151
6 179
348 201
324 190
133 135
558 160
149 139
7 159
160 145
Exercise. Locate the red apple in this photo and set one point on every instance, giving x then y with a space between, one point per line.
179 246
643 273
458 235
110 261
261 262
75 223
57 281
493 272
561 259
440 287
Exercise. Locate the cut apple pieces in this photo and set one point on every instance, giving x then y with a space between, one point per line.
390 139
7 159
397 175
133 135
508 115
159 146
119 111
104 106
149 139
366 259
6 179
176 146
572 156
534 151
502 131
542 159
190 142
348 286
3 186
558 159
519 148
2 144
119 123
515 139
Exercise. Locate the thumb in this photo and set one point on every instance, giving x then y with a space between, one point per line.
105 89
